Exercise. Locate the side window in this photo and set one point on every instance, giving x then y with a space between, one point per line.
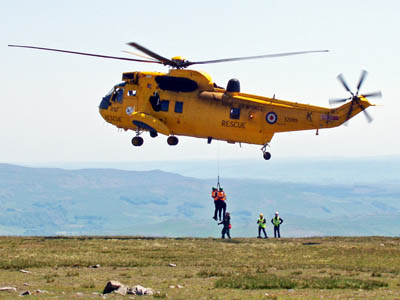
164 105
235 113
131 93
178 107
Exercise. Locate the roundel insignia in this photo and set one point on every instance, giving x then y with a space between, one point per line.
129 110
271 117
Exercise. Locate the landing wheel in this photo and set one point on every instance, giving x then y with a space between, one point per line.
153 134
137 141
172 140
267 155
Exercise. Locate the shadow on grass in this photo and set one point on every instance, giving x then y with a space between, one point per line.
229 241
266 281
213 273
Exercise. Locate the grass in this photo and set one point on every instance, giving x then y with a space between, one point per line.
303 268
253 282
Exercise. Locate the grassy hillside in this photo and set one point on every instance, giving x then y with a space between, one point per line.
333 170
45 201
313 268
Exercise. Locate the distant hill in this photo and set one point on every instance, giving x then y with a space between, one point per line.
379 169
49 201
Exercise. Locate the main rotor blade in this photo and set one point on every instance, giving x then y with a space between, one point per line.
162 59
362 78
140 55
333 101
372 95
252 57
341 79
87 54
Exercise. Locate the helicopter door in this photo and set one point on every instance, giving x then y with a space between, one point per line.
155 102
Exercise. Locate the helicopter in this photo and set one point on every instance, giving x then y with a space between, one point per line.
185 102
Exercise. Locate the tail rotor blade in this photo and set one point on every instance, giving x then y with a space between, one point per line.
349 112
372 95
362 78
368 116
341 79
334 101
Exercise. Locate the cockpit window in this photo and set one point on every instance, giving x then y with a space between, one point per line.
122 84
118 95
110 92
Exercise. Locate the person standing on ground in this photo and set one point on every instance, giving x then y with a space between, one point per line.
214 195
262 224
227 225
276 221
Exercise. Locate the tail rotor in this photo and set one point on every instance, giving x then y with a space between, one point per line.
355 98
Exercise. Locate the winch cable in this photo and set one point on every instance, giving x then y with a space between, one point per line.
218 152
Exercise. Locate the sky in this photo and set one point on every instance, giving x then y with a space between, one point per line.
50 100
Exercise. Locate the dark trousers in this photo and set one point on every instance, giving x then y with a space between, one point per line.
226 231
216 203
276 231
222 209
261 229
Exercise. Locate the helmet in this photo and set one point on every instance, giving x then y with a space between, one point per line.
261 215
276 213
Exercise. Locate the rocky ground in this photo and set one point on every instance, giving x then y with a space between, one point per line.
134 267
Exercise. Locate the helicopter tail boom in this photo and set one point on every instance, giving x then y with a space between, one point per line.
347 111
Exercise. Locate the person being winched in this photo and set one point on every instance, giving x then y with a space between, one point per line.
227 225
214 195
219 197
262 224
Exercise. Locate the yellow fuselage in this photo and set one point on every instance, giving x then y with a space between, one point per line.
187 103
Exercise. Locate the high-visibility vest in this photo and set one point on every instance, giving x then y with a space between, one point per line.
221 195
261 223
214 194
276 221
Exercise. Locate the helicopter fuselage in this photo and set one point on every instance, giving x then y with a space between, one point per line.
188 103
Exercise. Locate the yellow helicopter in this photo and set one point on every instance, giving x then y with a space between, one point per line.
186 102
